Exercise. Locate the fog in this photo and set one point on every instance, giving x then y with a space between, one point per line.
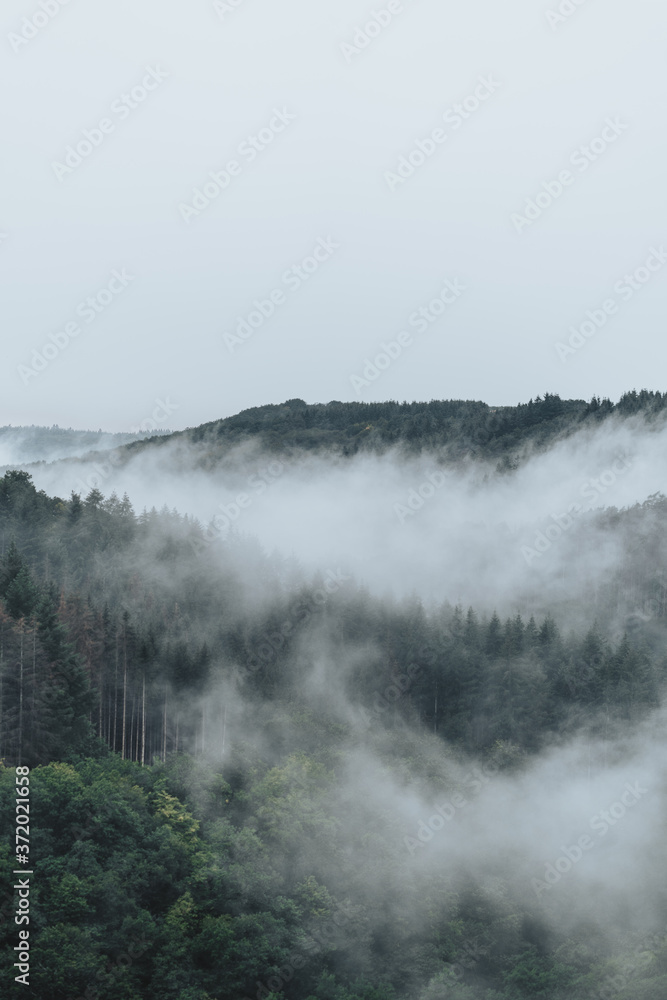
399 524
574 835
20 445
571 833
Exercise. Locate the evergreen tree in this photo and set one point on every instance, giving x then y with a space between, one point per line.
493 641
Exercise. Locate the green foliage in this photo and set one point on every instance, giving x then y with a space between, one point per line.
534 976
171 869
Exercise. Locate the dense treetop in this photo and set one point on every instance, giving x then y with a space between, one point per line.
199 715
466 428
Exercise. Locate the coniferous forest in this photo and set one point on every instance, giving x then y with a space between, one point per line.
253 780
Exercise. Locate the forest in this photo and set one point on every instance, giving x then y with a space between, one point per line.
251 781
42 444
466 428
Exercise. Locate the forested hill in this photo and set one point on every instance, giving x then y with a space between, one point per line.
456 429
236 766
22 445
464 428
233 769
149 612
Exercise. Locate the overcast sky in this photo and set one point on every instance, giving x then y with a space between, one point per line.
305 121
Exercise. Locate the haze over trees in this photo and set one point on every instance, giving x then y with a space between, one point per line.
238 766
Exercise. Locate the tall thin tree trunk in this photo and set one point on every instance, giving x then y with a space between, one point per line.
124 694
164 727
115 698
100 695
132 754
143 719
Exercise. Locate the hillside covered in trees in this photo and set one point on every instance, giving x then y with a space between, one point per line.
21 445
237 768
465 428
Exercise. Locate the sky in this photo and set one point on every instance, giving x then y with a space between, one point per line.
216 205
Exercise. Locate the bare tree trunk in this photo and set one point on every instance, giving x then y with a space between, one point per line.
143 719
132 756
164 727
115 698
100 695
124 693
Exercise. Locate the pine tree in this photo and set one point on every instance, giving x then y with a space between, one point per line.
493 640
10 568
21 595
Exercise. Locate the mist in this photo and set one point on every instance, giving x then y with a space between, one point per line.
463 533
298 640
24 445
